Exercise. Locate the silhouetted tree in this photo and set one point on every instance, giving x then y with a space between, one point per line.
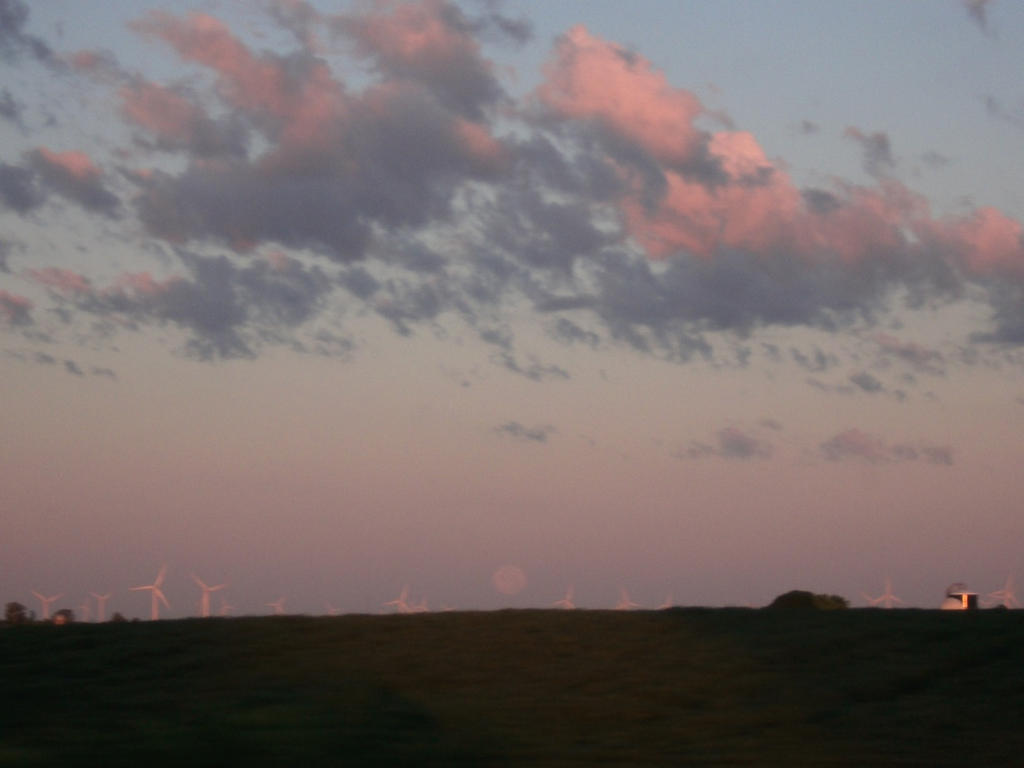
16 613
64 616
118 617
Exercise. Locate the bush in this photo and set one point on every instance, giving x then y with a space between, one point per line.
16 613
802 600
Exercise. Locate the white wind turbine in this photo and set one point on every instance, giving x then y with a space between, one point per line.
420 607
278 606
157 595
101 605
668 602
887 599
1005 596
204 601
46 602
399 603
225 607
331 610
85 610
566 602
625 604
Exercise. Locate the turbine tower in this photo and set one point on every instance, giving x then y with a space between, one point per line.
46 602
399 603
1005 596
101 605
625 604
157 596
204 601
887 599
277 605
225 607
566 602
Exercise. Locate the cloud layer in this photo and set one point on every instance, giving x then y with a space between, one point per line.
608 200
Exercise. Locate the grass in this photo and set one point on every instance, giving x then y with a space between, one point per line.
511 688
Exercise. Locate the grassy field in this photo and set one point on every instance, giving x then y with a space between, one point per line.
518 688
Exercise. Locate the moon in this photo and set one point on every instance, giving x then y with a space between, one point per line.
509 579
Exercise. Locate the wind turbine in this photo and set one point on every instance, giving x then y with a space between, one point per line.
625 604
47 602
667 604
887 599
1005 596
156 594
566 602
85 610
225 607
420 607
101 605
277 605
399 603
204 601
331 610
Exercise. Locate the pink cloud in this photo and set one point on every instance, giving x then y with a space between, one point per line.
478 142
142 283
986 241
304 101
159 110
758 208
413 35
721 190
75 165
592 79
14 309
61 280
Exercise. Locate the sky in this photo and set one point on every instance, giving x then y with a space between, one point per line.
324 300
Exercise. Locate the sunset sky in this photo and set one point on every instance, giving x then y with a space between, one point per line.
321 299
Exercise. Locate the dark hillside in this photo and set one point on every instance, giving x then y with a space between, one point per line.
538 688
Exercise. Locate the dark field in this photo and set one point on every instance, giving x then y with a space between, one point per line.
510 688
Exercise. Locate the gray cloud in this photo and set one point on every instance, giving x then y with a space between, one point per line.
865 382
227 310
921 359
428 212
730 443
978 11
15 310
816 361
455 73
19 189
14 41
85 189
516 430
995 108
853 444
878 159
9 108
